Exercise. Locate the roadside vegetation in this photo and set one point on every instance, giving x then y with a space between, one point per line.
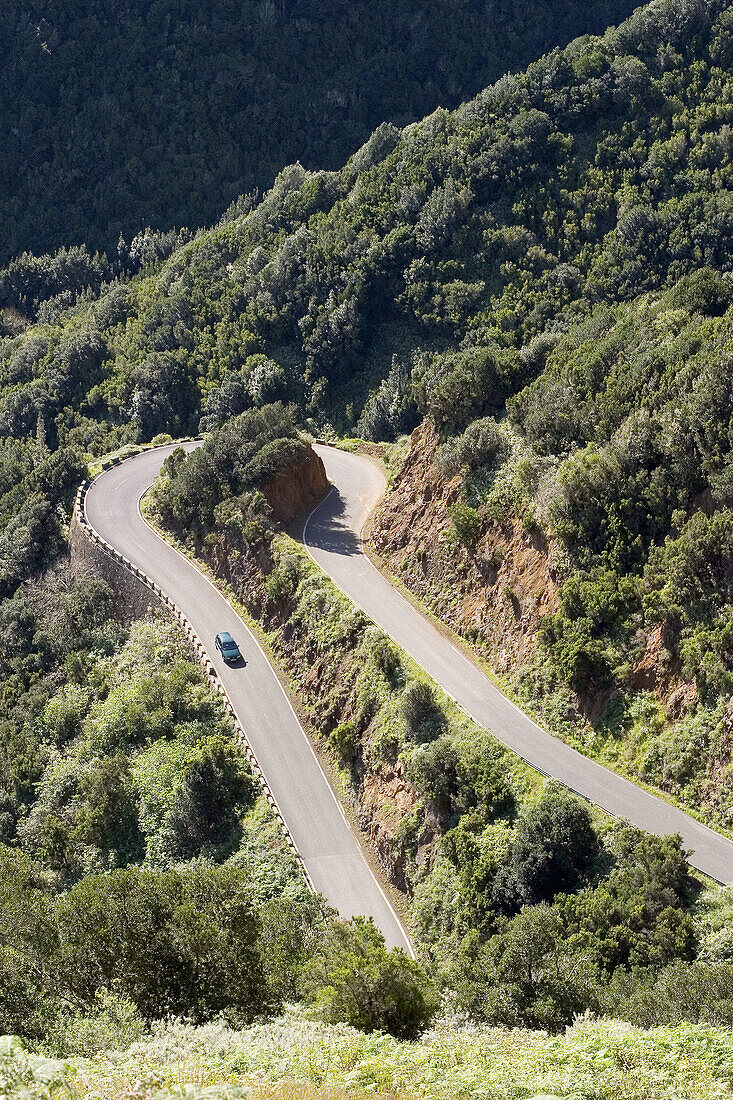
292 1057
639 498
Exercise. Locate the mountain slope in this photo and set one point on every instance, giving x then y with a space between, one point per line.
438 269
117 116
542 277
600 173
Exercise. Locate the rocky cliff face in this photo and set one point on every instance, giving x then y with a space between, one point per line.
494 595
292 492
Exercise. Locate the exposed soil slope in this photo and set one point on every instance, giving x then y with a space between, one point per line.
496 595
294 491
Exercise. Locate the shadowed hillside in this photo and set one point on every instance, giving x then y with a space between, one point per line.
117 116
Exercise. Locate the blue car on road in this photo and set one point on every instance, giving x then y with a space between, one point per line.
227 646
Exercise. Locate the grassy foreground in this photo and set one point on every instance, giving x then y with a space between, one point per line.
294 1057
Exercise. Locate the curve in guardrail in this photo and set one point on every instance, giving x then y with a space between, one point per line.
203 657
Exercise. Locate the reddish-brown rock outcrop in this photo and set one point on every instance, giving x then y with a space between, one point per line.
293 491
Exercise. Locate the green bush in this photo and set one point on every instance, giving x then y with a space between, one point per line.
485 787
530 975
175 942
236 458
383 653
433 771
283 581
704 291
553 850
457 386
700 992
466 523
210 798
482 444
352 977
420 712
343 740
114 1023
187 941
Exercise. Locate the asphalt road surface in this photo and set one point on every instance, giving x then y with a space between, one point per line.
333 537
330 851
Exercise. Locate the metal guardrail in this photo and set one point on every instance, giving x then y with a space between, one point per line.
203 657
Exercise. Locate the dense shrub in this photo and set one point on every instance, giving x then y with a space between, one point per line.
353 978
185 941
433 769
530 975
420 711
552 852
390 411
134 760
466 523
175 942
236 458
456 387
483 444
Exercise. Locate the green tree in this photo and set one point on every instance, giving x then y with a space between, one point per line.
181 942
352 977
553 850
209 799
530 976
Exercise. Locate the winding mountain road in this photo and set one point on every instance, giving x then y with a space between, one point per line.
330 851
329 848
333 537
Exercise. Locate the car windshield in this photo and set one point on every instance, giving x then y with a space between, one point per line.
230 645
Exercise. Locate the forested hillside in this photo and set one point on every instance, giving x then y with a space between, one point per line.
121 116
458 247
542 277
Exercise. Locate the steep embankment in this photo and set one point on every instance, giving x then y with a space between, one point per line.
292 492
495 594
513 592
